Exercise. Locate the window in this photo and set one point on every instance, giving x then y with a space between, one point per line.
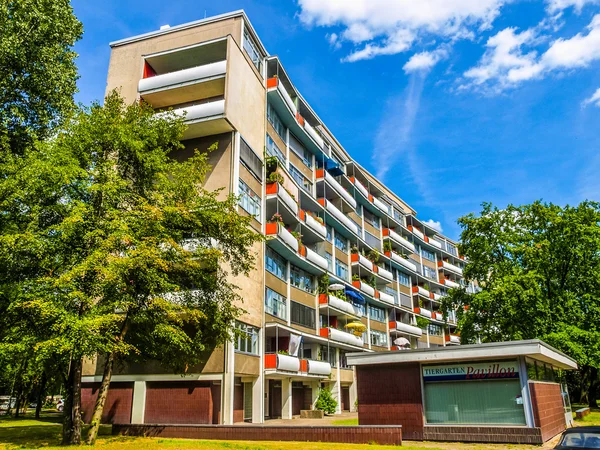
302 315
274 120
327 354
378 338
275 264
429 273
371 219
344 360
249 201
301 280
329 259
341 269
434 330
273 150
341 243
451 249
275 304
250 160
329 232
251 49
300 179
427 254
300 151
247 340
373 241
376 313
392 292
403 279
358 227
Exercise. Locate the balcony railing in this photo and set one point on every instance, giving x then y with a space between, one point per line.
384 273
180 77
275 82
451 283
282 193
382 206
398 239
285 363
339 215
318 368
316 259
451 267
287 237
313 134
424 312
341 336
417 232
337 187
386 298
315 225
421 291
363 261
202 111
361 188
402 261
452 339
406 328
435 243
339 304
364 287
437 316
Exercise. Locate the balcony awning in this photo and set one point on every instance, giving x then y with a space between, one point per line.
330 165
355 296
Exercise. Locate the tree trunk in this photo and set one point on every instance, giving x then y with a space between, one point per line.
101 400
41 396
72 410
594 385
18 400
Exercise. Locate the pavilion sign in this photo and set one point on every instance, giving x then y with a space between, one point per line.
472 371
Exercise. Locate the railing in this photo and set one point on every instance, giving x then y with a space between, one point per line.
341 336
382 206
435 243
286 97
361 285
421 291
186 76
338 215
279 230
384 273
315 258
283 194
360 259
402 261
417 232
424 312
406 328
322 173
318 368
201 111
451 283
361 188
315 225
279 361
386 298
451 267
314 135
339 304
452 339
399 239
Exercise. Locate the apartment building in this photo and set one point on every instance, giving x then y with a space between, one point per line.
347 266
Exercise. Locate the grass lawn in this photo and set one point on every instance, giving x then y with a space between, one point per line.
25 433
592 419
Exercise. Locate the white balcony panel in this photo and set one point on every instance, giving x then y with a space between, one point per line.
422 291
287 199
425 312
382 206
362 189
404 262
454 339
202 111
319 368
400 240
317 259
315 225
341 217
367 289
185 76
437 297
451 284
438 316
343 305
287 237
286 97
386 298
288 363
418 233
435 243
313 134
452 267
384 273
346 338
365 262
408 329
340 189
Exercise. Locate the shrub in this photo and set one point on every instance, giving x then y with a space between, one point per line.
326 402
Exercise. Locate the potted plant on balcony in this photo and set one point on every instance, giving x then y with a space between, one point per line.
297 235
276 218
426 286
371 282
356 328
324 284
354 250
422 323
374 256
355 277
283 352
275 177
387 246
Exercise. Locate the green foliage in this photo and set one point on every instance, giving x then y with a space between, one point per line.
324 284
326 402
37 69
355 277
354 250
275 177
374 256
422 322
538 267
387 246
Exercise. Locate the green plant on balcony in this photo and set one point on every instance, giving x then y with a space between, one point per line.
371 282
422 322
297 235
387 246
275 177
355 277
283 352
374 256
426 286
421 303
324 284
354 250
276 218
341 295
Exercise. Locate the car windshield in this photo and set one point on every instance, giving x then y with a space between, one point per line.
581 440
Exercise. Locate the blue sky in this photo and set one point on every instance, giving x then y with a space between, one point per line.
451 102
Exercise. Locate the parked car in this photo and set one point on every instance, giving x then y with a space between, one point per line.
581 438
60 406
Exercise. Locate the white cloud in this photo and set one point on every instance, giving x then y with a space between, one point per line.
505 63
333 40
386 27
593 100
424 61
557 6
436 225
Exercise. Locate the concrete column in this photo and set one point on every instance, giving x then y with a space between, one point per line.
337 388
353 393
228 385
286 398
267 411
258 385
316 386
138 404
525 393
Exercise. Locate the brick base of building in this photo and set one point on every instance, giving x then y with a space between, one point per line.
383 435
500 435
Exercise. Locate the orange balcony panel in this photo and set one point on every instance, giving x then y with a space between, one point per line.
320 173
426 239
323 299
375 268
392 325
303 365
272 82
386 232
302 250
356 284
271 361
322 201
302 215
354 257
271 188
324 332
440 263
300 119
415 289
271 228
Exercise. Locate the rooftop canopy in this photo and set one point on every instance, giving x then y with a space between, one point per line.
534 349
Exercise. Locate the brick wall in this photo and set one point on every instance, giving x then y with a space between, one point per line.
391 395
117 408
548 409
384 435
179 402
499 435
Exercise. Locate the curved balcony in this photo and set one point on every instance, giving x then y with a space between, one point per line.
202 111
382 206
384 273
405 328
284 196
433 242
364 287
275 82
341 336
362 260
339 305
424 312
387 298
451 283
183 77
279 230
417 232
452 339
361 188
437 316
318 368
341 217
450 267
286 363
315 225
316 259
337 187
313 134
399 239
402 261
421 291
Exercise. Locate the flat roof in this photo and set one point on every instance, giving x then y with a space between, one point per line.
534 349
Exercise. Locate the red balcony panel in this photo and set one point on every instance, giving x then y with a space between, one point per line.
271 361
271 228
324 332
271 188
272 82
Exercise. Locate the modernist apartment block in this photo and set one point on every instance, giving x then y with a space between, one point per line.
347 266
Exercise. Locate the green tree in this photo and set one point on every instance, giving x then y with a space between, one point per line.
125 254
538 269
325 401
37 69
